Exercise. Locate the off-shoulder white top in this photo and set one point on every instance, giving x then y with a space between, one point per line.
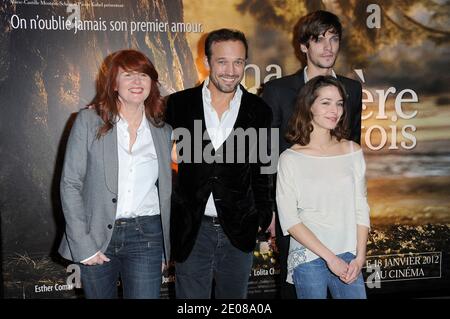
328 195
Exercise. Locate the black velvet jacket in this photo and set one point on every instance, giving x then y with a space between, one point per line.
242 195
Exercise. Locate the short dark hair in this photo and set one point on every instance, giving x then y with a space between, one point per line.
300 126
317 23
224 35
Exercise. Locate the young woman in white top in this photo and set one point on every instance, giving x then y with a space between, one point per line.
321 196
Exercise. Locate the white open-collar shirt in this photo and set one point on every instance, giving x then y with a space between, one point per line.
218 129
138 172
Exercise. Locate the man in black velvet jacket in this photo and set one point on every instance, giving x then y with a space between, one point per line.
318 37
222 198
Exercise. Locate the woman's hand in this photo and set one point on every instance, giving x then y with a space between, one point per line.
98 259
354 269
338 267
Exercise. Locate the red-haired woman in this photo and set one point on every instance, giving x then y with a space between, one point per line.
116 183
321 196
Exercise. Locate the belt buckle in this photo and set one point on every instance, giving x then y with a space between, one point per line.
121 222
215 221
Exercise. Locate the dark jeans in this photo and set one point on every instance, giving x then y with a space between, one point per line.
213 257
136 252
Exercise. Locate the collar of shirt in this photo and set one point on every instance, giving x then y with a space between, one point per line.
207 101
122 124
305 76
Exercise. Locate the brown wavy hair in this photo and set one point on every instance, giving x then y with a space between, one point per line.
107 100
317 23
300 126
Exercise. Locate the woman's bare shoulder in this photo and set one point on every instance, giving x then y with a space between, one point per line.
349 146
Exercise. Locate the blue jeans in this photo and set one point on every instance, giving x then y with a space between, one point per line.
312 279
213 258
136 252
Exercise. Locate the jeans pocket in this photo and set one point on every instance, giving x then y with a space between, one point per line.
150 228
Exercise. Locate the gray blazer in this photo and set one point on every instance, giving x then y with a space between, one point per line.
89 186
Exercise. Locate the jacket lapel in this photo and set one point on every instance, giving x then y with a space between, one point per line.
111 160
161 145
245 116
199 114
298 80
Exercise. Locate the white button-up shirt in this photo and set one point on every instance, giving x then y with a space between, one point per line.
218 129
305 76
138 172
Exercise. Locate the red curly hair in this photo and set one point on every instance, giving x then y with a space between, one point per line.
106 105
